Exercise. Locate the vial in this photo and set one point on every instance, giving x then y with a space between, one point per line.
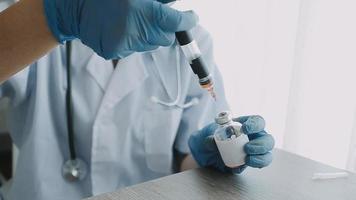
230 140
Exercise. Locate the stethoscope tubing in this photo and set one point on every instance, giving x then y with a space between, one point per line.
69 106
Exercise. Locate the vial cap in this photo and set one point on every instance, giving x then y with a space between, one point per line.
223 117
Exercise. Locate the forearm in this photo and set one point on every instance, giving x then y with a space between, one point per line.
24 36
188 163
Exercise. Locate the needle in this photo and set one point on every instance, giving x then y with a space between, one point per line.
212 93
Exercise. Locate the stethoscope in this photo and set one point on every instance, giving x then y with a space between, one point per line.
75 169
175 103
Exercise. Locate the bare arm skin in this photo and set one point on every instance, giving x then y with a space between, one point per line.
24 36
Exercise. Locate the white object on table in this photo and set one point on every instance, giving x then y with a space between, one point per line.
326 176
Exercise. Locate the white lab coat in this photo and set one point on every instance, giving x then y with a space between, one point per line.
123 136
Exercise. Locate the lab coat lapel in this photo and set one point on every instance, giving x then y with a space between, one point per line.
100 70
166 64
129 74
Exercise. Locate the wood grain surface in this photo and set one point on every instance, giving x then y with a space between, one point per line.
288 178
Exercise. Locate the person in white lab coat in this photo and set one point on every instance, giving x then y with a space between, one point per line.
120 132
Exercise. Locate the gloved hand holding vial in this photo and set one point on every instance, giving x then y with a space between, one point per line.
230 140
230 145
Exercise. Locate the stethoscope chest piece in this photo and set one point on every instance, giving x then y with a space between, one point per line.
74 170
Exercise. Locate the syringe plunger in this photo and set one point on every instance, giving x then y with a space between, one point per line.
194 56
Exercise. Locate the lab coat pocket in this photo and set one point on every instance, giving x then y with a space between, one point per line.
160 126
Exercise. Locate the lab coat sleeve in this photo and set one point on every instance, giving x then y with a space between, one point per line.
18 86
198 116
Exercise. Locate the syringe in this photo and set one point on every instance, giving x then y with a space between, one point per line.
194 57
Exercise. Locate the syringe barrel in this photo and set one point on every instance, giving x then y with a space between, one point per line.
194 56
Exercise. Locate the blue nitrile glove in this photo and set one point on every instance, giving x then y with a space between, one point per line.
205 152
117 28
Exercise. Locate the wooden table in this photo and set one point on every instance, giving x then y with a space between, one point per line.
288 178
